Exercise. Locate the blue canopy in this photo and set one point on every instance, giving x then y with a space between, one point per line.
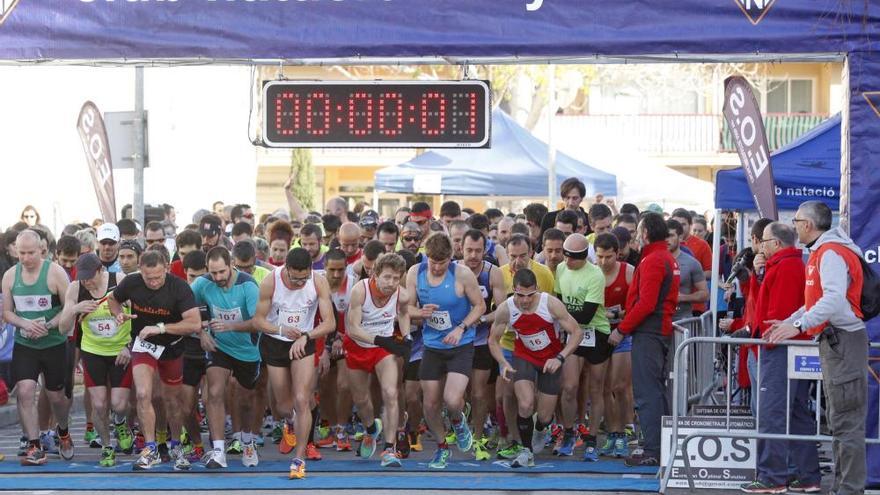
515 165
806 169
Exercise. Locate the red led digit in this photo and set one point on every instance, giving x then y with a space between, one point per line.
434 111
287 113
393 117
323 99
360 109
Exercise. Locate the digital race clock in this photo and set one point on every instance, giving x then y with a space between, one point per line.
376 114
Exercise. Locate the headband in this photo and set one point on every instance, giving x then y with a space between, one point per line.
427 215
577 255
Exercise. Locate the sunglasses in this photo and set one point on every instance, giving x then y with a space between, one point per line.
412 239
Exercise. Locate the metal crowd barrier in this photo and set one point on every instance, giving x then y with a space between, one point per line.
699 368
685 348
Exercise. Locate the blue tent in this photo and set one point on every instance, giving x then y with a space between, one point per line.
808 168
515 165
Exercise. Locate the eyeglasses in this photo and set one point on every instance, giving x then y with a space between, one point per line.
795 221
412 239
297 280
762 241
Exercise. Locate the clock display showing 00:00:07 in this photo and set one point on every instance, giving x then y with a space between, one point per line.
453 114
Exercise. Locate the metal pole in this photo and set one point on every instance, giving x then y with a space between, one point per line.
138 157
551 148
714 280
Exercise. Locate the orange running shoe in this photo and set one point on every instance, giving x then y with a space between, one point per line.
288 439
312 453
327 442
343 444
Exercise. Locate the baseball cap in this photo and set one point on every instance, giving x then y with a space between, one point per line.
655 208
210 226
369 218
108 232
87 266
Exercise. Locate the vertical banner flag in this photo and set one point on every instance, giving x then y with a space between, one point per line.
91 129
743 116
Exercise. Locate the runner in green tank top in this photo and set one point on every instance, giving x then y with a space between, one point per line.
33 304
105 354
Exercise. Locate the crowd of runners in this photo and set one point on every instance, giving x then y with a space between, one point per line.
501 334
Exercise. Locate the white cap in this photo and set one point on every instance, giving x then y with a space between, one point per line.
108 231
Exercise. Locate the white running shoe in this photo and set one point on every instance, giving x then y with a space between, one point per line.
249 456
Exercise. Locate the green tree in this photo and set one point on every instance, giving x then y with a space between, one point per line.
303 174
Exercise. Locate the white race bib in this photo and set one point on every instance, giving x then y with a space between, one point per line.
440 321
293 318
536 341
150 348
589 339
103 327
227 314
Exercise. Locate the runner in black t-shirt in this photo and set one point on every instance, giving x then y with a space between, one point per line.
163 310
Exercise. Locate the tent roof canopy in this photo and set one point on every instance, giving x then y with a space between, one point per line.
808 168
515 165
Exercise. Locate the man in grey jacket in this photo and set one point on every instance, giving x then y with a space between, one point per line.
832 312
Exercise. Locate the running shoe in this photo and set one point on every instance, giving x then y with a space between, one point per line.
539 440
277 433
215 459
368 442
249 456
450 436
234 447
197 453
343 444
389 459
326 442
47 442
582 433
259 440
34 457
297 469
621 448
164 454
359 431
494 439
511 451
440 459
181 463
415 442
323 431
108 457
607 448
481 452
464 437
148 458
139 442
91 437
23 446
403 447
567 447
636 460
631 438
591 453
798 486
65 447
761 487
124 439
288 439
524 459
312 453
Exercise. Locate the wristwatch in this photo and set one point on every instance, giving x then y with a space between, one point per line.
161 327
483 319
561 358
798 324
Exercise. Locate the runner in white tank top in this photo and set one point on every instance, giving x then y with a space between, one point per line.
371 346
289 301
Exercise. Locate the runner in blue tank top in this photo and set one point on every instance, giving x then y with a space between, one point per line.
449 304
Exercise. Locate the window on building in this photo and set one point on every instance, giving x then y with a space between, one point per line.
790 96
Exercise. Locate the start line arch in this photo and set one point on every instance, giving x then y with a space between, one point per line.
359 32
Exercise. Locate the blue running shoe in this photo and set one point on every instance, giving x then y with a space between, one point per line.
463 437
567 447
607 449
441 458
591 454
621 447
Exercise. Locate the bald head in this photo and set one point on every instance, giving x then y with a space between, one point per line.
349 237
26 238
575 243
338 207
27 244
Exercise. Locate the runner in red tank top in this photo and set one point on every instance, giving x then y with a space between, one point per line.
618 380
537 357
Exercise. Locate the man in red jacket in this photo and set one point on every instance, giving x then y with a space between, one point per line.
780 295
650 304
